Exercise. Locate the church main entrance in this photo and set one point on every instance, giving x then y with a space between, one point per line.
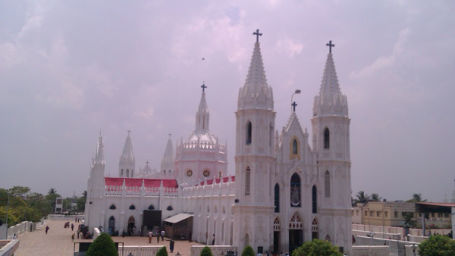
295 239
131 226
295 232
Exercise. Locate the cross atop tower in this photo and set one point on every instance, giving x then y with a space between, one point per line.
203 86
330 45
257 34
294 104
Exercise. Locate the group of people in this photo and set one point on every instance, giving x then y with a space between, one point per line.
158 235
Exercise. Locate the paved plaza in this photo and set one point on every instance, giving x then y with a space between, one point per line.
58 241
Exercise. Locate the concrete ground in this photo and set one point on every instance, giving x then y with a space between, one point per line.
58 241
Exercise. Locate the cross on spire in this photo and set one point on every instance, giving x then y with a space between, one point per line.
330 45
203 86
294 104
257 34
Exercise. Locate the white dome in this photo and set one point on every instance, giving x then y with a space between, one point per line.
203 138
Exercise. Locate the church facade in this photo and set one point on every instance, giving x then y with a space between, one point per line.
286 188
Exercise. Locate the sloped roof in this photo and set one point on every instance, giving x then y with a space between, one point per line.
178 217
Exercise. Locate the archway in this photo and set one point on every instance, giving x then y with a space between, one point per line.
111 226
276 235
295 232
314 229
131 226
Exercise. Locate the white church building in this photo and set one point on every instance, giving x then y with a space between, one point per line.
287 189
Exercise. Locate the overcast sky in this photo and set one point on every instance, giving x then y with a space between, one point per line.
71 68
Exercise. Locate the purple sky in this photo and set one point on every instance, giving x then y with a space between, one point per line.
70 68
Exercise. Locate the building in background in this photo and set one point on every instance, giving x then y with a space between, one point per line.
287 188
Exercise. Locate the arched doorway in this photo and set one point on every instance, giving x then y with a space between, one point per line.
276 235
131 226
295 232
111 225
314 229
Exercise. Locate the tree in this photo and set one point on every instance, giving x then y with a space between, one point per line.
206 252
437 245
375 197
102 246
248 251
51 196
416 198
317 248
362 197
162 251
408 219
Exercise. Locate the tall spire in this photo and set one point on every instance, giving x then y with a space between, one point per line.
202 115
167 163
329 84
128 154
127 162
256 73
330 99
256 93
99 155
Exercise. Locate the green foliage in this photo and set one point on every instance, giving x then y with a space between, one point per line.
317 248
102 246
409 219
206 252
437 245
248 251
24 205
162 251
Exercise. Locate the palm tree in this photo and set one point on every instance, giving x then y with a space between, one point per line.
362 197
416 197
375 197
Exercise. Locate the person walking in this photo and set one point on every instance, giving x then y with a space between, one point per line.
72 227
47 229
157 237
162 235
171 245
150 237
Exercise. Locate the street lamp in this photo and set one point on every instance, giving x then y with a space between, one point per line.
297 91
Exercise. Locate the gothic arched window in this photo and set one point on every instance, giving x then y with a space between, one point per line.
151 207
112 207
295 147
127 173
277 198
314 193
132 207
247 181
326 138
295 190
249 133
270 135
327 183
121 173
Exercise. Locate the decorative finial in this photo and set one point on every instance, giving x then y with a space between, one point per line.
257 34
203 86
294 104
330 45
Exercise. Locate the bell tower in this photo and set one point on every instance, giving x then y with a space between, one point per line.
254 159
330 124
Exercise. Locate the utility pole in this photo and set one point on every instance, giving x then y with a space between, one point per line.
7 206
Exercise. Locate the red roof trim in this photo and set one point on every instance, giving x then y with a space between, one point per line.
135 182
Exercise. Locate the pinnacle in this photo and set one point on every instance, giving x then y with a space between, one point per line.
256 73
329 82
128 149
